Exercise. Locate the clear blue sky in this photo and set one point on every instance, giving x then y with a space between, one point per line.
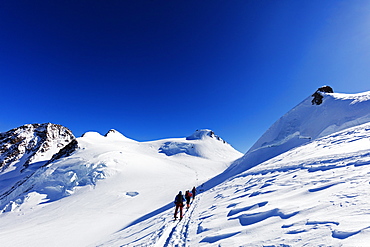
157 69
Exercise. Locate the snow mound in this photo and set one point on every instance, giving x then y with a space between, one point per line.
92 136
111 135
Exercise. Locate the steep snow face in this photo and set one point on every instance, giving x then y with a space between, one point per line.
307 122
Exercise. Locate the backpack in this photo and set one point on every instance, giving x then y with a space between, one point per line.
187 194
179 199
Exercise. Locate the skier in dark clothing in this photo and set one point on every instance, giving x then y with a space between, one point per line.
194 191
179 202
188 196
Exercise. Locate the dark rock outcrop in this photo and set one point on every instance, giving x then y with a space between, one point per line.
66 151
200 134
317 96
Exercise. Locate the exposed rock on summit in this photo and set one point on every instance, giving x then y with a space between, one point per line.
317 96
32 143
201 134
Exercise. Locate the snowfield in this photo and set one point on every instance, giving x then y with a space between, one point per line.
305 182
107 183
314 195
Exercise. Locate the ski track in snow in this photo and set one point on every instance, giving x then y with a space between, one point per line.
160 230
175 232
172 233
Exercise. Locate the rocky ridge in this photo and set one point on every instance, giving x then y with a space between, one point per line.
32 143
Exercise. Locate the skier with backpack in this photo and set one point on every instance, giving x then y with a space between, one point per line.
188 196
179 202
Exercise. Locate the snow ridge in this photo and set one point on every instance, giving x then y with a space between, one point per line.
32 143
307 122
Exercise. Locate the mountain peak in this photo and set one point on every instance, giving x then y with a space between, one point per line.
204 133
32 143
114 134
111 132
307 122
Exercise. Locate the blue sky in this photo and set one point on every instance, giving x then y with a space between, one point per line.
157 69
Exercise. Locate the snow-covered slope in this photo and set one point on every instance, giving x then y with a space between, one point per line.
312 189
106 183
24 149
314 195
305 123
304 183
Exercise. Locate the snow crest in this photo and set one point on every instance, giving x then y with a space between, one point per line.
305 123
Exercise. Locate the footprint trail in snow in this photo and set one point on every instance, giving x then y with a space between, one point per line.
176 232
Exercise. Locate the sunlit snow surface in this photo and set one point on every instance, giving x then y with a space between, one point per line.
315 195
107 183
307 122
311 189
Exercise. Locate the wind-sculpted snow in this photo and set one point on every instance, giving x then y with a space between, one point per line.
314 195
317 195
250 219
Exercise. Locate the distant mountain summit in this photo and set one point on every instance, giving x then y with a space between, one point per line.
32 143
202 143
203 133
